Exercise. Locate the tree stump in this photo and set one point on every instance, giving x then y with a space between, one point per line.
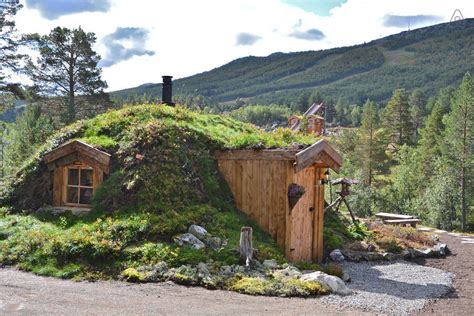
246 248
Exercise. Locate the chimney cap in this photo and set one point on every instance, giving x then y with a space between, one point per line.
167 78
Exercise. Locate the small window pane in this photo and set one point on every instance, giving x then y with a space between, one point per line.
86 195
86 177
73 177
72 195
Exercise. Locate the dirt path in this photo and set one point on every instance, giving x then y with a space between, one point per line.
461 262
27 294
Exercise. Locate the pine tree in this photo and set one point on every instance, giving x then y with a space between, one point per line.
459 141
67 67
397 118
10 41
430 138
417 104
371 146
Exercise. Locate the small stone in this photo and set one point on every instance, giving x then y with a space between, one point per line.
202 269
329 282
442 249
198 231
389 256
406 254
214 243
336 255
270 264
371 247
190 240
226 270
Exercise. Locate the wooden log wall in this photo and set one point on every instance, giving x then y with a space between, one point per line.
260 189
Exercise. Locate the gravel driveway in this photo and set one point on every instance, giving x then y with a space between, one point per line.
392 288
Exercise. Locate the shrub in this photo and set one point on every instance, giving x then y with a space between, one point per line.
277 287
389 244
132 275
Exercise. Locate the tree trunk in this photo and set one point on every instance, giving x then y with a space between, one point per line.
246 248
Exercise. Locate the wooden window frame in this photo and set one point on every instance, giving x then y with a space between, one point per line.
78 186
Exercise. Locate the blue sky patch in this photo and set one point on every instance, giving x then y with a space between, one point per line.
53 9
321 8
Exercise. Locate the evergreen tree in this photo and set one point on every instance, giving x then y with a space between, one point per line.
430 138
397 118
315 97
459 142
32 128
67 67
10 41
417 104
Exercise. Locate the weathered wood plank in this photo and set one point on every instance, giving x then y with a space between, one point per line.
288 217
57 186
273 200
237 169
267 194
319 216
393 216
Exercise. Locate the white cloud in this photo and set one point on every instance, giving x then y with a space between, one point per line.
191 36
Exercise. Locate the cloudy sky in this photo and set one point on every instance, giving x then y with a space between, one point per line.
141 40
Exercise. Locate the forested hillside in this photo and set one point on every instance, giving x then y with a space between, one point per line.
428 58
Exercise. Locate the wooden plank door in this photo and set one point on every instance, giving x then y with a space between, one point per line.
301 220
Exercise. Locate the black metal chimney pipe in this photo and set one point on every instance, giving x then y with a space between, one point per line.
167 87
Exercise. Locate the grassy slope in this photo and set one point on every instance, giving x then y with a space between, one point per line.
143 203
429 58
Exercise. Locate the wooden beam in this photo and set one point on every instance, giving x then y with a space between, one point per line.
265 154
321 153
76 150
88 150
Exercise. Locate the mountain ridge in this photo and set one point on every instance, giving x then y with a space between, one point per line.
429 58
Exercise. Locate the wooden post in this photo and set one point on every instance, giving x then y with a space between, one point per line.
246 249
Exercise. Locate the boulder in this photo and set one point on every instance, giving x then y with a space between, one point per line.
336 255
189 240
329 282
198 231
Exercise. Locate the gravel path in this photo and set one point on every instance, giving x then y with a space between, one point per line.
392 288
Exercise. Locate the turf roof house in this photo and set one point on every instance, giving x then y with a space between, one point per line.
311 122
259 180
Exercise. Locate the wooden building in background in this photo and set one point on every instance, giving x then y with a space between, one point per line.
311 122
259 180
